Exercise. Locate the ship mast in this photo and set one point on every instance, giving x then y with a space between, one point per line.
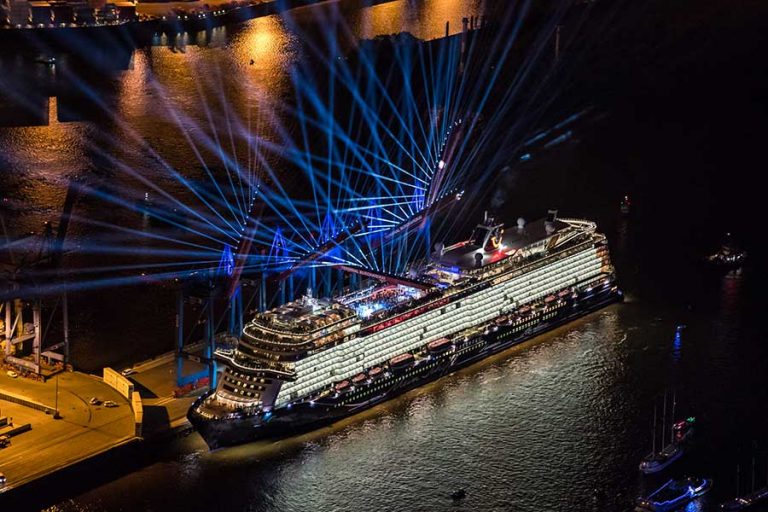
653 432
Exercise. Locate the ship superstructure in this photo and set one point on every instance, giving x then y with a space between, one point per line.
312 361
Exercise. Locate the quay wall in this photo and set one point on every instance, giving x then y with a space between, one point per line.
124 386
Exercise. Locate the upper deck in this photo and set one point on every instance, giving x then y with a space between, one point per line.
310 323
304 317
491 242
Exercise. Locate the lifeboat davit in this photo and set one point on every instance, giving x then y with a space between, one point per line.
401 361
438 346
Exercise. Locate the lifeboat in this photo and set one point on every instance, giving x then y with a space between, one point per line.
549 299
359 378
375 372
438 346
342 386
524 310
564 293
401 361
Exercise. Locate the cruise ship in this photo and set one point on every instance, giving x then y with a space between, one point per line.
314 361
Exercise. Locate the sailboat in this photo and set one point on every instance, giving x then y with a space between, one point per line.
755 497
669 453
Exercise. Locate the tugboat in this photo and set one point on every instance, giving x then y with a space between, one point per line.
674 494
729 255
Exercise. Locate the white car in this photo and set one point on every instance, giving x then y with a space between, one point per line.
127 372
2 478
12 374
94 401
110 403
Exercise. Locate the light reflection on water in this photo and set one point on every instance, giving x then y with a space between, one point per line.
538 428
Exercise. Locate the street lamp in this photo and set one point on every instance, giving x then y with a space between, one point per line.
56 414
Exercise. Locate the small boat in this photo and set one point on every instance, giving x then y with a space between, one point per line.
342 386
401 361
549 299
438 346
564 293
47 60
729 255
625 205
375 372
524 310
458 494
674 494
359 378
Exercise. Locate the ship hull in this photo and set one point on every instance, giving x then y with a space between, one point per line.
307 416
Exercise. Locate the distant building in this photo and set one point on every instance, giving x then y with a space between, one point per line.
18 12
41 13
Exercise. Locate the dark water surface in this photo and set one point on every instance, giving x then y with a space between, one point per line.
540 427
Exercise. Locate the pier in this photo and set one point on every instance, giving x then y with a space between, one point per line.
81 431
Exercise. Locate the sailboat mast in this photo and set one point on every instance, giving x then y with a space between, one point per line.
653 432
664 421
674 404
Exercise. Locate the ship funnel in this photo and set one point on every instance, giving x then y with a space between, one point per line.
551 215
549 224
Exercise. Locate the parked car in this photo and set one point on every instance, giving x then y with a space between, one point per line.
2 478
4 441
110 403
94 401
12 374
127 372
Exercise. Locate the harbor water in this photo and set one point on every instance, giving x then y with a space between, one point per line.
541 427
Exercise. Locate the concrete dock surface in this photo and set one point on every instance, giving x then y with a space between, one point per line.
83 431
